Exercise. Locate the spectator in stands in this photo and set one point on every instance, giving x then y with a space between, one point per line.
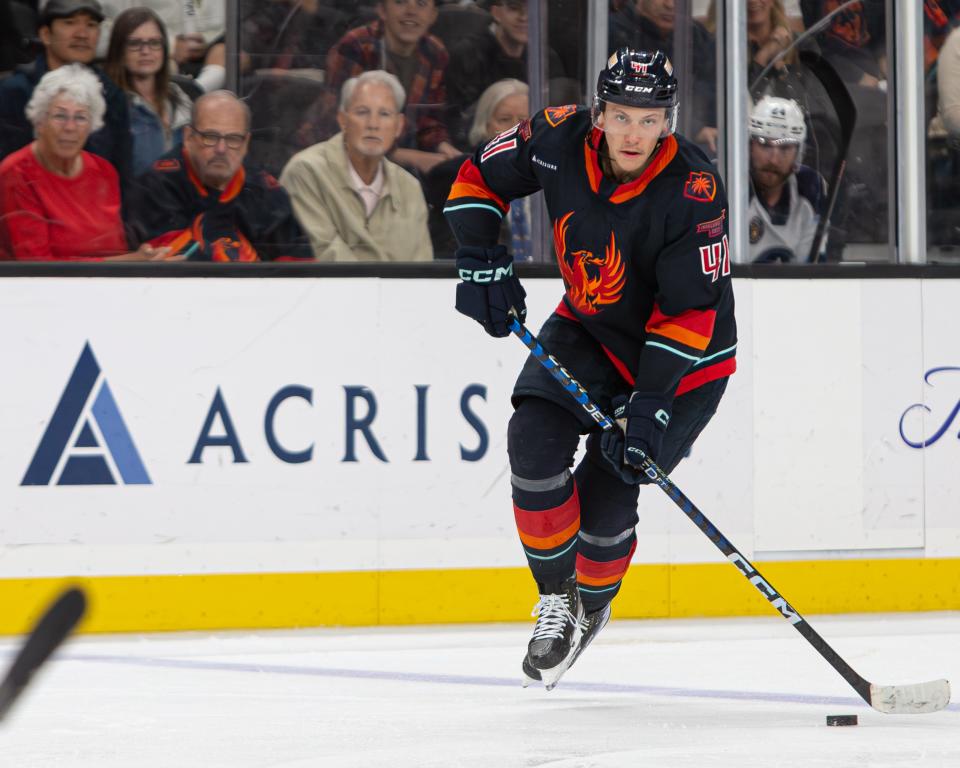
354 203
768 34
476 62
647 25
855 39
137 61
502 105
398 42
948 83
57 201
193 24
69 30
786 198
201 202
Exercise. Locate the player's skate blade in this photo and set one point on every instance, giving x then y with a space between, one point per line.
590 626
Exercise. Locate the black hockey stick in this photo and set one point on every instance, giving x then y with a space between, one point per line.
846 113
50 631
892 699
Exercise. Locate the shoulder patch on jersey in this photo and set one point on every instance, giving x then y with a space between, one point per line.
167 164
556 115
700 186
714 227
525 130
756 230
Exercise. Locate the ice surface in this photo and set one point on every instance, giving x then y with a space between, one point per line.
671 694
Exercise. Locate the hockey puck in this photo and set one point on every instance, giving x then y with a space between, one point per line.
841 719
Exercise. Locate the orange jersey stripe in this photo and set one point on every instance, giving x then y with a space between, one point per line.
470 183
551 542
699 321
675 332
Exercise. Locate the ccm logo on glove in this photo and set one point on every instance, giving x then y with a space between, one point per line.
486 275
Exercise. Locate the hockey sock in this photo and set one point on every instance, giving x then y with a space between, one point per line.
547 513
602 562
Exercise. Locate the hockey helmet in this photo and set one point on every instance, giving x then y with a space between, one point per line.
637 78
775 120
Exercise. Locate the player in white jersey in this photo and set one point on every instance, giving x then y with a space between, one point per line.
786 197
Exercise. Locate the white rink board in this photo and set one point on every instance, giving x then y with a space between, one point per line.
805 455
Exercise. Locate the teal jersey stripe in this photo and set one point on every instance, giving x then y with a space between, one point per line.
677 352
473 205
715 355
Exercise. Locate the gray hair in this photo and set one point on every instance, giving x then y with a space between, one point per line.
221 95
488 101
75 80
372 76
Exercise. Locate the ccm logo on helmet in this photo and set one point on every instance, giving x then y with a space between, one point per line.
638 88
486 275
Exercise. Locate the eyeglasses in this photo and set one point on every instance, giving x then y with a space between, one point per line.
139 44
212 138
62 118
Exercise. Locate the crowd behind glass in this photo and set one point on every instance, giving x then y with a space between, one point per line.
118 139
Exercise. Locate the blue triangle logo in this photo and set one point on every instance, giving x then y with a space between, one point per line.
86 402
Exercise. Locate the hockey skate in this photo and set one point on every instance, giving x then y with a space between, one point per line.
590 626
556 635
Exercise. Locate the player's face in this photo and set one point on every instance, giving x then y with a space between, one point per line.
632 134
771 164
63 131
371 123
72 40
511 17
508 112
218 142
143 50
660 12
406 21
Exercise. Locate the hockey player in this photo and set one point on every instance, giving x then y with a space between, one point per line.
786 198
646 325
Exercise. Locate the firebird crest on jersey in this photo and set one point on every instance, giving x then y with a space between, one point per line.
700 186
556 115
502 142
592 281
715 259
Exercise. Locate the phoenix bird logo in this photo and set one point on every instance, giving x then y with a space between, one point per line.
592 281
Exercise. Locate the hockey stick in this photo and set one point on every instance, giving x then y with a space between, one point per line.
50 631
891 699
846 113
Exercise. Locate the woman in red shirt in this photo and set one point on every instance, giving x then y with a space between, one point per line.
57 201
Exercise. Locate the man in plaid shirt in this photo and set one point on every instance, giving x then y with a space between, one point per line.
398 42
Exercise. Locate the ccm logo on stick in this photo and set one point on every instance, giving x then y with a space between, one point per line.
486 275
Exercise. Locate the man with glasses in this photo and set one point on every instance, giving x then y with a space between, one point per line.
203 203
354 203
69 31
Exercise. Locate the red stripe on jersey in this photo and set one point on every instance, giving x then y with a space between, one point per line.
663 157
496 149
470 183
705 375
594 174
693 328
548 521
598 574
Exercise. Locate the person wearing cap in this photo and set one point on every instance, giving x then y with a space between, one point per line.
646 325
786 197
69 31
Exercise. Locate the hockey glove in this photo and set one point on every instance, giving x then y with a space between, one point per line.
644 421
488 290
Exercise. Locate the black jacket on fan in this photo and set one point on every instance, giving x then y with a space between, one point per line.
646 264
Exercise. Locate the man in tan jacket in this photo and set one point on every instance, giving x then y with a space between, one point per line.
354 203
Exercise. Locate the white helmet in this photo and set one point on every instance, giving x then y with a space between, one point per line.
775 120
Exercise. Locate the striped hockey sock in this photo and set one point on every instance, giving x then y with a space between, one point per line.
547 514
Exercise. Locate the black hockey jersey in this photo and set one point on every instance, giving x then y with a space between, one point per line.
646 265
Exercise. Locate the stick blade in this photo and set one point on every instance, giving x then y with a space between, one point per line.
916 699
55 624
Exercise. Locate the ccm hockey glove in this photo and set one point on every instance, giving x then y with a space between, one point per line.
644 421
488 290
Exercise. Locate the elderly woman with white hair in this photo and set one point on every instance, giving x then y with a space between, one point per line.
57 201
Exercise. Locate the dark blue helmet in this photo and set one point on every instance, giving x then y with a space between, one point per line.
639 79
